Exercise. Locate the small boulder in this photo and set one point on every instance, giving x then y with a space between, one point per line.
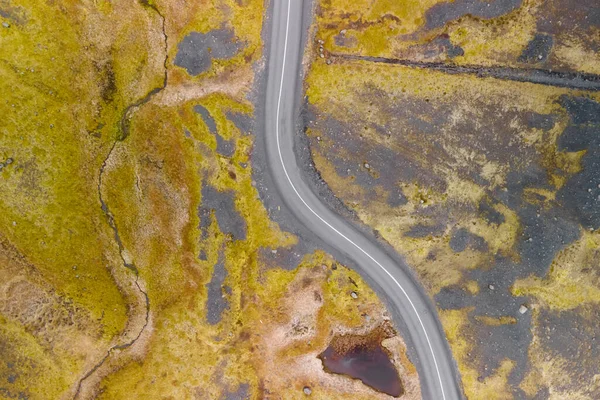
523 309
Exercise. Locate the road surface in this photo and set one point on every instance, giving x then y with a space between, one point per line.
437 370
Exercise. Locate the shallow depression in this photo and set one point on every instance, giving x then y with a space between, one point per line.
364 358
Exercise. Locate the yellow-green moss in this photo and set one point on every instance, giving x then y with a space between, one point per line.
457 326
572 281
36 372
64 84
245 18
340 90
394 28
71 79
175 163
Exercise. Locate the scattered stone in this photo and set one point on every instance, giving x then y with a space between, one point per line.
491 287
307 391
328 62
343 32
320 41
6 24
523 309
354 295
367 165
9 161
321 55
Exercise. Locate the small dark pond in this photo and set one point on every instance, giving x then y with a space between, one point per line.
364 358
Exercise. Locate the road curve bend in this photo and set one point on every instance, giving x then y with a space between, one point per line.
437 370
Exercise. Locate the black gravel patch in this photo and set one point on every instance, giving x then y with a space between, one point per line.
242 393
205 220
540 121
224 147
494 343
573 336
490 213
543 237
396 197
208 119
581 194
386 168
196 50
537 50
438 46
222 204
285 258
244 122
418 133
581 110
442 13
216 303
560 17
302 147
578 137
462 238
422 230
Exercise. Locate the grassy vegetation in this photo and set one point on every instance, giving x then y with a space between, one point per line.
397 29
375 24
361 95
153 186
572 281
67 82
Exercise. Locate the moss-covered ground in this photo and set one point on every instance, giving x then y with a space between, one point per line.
487 187
556 34
105 256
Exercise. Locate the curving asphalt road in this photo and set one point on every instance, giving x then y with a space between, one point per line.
437 370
